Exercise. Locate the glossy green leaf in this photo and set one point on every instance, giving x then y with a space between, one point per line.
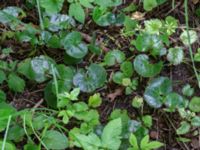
194 104
94 78
74 46
118 77
174 100
144 68
156 91
113 57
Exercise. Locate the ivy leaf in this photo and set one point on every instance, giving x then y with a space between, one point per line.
192 37
77 11
55 140
74 46
16 83
111 134
144 68
194 104
52 6
175 55
148 5
113 57
184 128
94 78
156 90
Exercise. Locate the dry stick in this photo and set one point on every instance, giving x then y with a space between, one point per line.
189 41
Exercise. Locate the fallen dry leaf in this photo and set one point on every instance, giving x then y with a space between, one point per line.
138 15
112 96
195 1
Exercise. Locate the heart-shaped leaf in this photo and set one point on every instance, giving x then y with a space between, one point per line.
144 68
94 78
113 57
74 46
156 91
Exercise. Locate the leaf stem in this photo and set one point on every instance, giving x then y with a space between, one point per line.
40 15
188 35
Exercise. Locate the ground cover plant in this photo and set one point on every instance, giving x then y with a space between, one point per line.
99 74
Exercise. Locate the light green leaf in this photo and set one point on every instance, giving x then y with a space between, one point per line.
8 146
55 140
77 11
174 100
95 100
111 134
153 26
195 121
194 104
175 55
192 37
133 142
154 145
187 90
52 6
148 5
184 128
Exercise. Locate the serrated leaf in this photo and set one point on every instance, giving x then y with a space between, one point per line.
111 134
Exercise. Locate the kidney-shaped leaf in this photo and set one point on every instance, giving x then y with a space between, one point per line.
74 46
94 78
156 90
144 68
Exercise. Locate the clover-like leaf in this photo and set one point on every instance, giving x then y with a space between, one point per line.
74 46
113 57
175 55
94 78
144 68
156 91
